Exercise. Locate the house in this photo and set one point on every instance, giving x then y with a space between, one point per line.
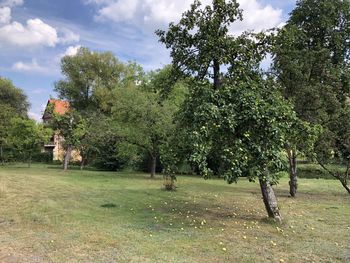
56 143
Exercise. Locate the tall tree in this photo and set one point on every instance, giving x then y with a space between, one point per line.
13 103
13 97
311 60
235 113
90 78
6 115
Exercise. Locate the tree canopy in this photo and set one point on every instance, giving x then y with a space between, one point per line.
311 61
238 113
143 118
90 77
13 97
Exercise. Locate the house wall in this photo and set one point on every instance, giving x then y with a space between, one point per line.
59 152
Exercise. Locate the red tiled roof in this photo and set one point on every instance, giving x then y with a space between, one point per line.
60 106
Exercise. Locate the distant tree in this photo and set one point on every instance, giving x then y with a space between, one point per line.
27 137
103 144
300 141
70 128
13 97
96 142
6 115
13 103
90 78
144 119
311 60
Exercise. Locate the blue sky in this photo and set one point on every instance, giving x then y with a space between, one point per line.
35 34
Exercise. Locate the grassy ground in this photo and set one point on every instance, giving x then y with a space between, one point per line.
47 215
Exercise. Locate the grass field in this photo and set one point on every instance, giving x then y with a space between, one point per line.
47 215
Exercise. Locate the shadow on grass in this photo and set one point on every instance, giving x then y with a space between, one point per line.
109 205
178 207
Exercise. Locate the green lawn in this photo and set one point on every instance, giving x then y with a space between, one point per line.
47 215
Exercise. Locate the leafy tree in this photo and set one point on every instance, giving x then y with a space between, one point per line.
246 124
143 119
6 114
13 97
70 127
27 137
97 142
90 77
235 113
311 60
300 140
89 84
13 103
200 42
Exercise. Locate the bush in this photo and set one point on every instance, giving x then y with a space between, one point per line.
313 171
42 157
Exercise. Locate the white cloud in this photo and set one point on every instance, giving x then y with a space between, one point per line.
120 10
153 14
5 15
34 33
32 66
257 17
71 51
11 3
35 116
67 36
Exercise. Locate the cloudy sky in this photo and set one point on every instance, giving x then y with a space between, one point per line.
35 34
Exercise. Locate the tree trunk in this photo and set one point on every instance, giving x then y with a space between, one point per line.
82 163
343 180
293 179
2 155
67 158
216 69
270 200
29 160
153 166
345 185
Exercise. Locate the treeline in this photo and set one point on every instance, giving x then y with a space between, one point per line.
214 109
21 138
118 116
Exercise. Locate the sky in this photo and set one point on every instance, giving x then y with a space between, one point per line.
36 34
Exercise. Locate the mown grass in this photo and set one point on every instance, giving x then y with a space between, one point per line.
47 215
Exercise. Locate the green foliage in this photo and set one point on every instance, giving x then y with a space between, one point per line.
13 103
314 171
311 59
27 137
200 41
246 124
13 97
101 144
143 119
234 118
42 157
6 114
90 78
69 125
